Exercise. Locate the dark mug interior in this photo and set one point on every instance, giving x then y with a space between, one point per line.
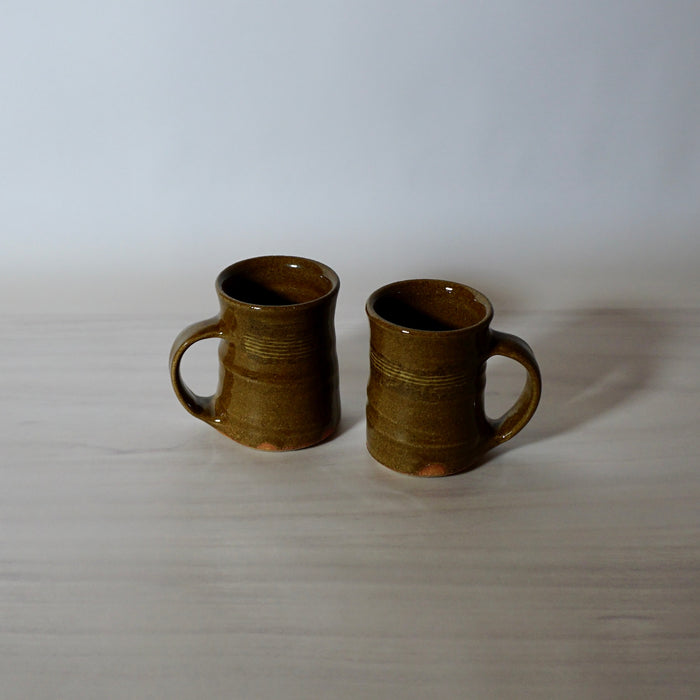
429 305
277 281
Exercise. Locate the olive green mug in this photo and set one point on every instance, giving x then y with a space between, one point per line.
429 343
278 368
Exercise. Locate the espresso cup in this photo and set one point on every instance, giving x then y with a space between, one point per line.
278 368
429 343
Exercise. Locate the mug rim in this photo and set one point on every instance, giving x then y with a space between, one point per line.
326 270
373 315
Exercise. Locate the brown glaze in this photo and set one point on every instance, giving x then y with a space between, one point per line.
278 369
429 343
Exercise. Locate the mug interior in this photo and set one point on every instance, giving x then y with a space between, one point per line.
430 305
277 281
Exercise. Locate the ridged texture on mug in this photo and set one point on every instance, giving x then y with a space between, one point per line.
423 423
278 369
425 408
429 343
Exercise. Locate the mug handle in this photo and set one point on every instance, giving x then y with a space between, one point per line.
202 407
517 417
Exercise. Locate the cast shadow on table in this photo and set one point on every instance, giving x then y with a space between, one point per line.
592 361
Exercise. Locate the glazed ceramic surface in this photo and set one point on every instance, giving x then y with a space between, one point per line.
278 376
429 343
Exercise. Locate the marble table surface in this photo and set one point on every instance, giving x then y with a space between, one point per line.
144 555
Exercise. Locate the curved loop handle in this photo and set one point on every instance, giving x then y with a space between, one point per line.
514 420
201 407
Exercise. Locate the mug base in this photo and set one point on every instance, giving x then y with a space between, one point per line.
287 444
399 457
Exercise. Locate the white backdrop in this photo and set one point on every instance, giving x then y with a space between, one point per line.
547 152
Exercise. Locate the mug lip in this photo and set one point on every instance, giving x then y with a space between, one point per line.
380 320
294 259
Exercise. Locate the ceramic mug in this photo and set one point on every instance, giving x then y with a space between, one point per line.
429 343
278 368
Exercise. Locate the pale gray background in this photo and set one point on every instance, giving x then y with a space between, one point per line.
548 152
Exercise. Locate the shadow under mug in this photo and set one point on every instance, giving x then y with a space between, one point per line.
429 343
278 368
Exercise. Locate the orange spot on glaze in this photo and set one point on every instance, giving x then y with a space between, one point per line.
268 447
434 469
